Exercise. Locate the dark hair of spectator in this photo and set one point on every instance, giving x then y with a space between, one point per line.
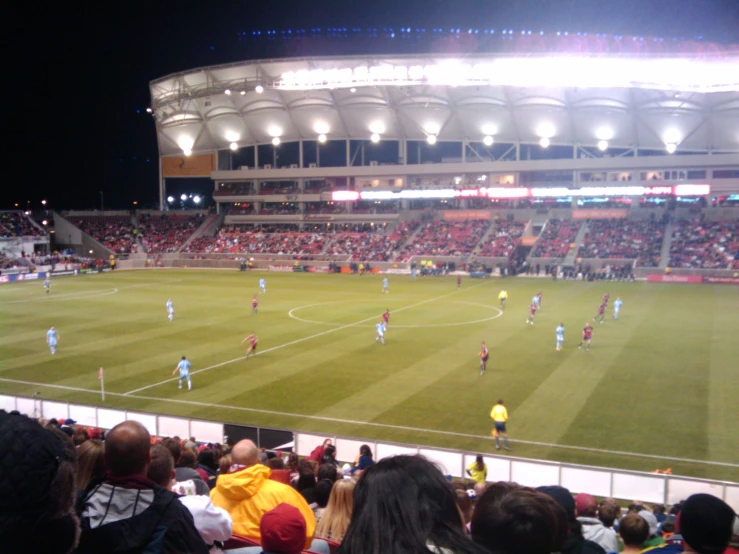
207 458
322 492
330 451
668 527
161 466
80 436
174 447
658 509
328 471
187 459
608 513
306 479
275 463
636 508
365 450
293 460
224 464
402 504
634 530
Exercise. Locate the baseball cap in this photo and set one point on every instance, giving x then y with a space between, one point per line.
651 519
283 530
563 497
585 502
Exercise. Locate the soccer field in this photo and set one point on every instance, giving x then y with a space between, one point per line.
659 387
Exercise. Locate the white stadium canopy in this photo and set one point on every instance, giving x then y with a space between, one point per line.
628 102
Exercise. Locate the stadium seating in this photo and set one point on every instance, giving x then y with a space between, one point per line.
8 263
166 233
503 239
555 240
16 224
244 239
706 245
114 231
622 239
446 238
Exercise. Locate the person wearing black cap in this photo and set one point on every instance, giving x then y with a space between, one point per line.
576 543
37 472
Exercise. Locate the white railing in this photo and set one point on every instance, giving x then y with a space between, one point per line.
598 481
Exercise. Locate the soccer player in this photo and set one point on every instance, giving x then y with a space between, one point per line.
503 296
532 313
483 358
47 284
560 336
385 319
254 305
499 415
459 282
606 297
380 332
52 338
617 307
601 312
385 288
170 309
538 300
253 340
184 368
587 333
262 286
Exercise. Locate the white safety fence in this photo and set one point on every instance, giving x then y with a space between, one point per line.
604 482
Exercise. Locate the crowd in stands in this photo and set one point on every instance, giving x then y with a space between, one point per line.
114 231
17 224
446 238
166 233
245 239
233 189
6 262
367 243
58 259
705 244
503 240
282 208
555 240
278 188
623 239
67 489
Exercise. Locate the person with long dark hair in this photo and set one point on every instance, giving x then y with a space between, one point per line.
404 505
364 460
329 456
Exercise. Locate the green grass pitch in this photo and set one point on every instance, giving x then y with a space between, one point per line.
659 387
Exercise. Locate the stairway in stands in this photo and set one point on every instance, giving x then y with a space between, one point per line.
664 256
572 254
208 228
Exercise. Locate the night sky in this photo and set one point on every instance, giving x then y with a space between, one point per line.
76 77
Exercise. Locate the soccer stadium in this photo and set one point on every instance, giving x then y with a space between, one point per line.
570 203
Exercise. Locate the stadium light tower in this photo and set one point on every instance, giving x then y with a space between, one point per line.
488 140
431 139
196 199
375 138
170 199
183 197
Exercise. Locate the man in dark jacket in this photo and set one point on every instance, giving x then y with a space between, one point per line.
125 512
576 543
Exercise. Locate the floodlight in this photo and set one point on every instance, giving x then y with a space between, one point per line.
432 128
489 129
196 199
44 222
671 147
43 202
322 138
321 127
276 141
602 145
544 142
546 130
352 89
170 199
187 152
148 110
375 137
243 93
231 136
672 136
227 92
259 89
274 131
183 197
377 127
431 139
233 146
185 142
488 140
604 133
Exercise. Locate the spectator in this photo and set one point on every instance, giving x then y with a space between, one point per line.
306 483
634 531
365 459
592 528
329 455
328 471
405 502
37 471
318 451
477 470
184 469
213 524
608 513
464 502
321 496
335 519
247 493
706 524
275 463
127 511
283 530
509 519
655 539
90 462
575 543
207 466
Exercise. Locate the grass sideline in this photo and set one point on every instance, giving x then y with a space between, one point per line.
658 389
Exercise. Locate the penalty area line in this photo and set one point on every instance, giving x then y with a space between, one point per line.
378 425
297 341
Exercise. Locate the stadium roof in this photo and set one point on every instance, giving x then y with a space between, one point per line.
646 102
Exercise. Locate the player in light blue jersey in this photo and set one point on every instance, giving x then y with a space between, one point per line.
536 301
170 309
262 286
52 338
385 287
617 307
47 284
184 368
560 336
380 332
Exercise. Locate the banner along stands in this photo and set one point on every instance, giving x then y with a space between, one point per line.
465 215
659 278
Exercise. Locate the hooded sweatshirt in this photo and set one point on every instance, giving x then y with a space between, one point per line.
594 530
249 493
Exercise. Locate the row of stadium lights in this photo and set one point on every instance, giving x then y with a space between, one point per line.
195 198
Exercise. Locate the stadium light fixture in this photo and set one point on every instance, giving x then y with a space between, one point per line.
375 137
321 127
227 92
233 146
546 130
196 199
43 202
259 89
274 131
544 142
489 129
672 136
186 143
243 93
322 138
44 223
487 140
187 152
183 197
602 145
148 110
231 136
276 141
352 89
432 128
377 127
671 147
431 139
170 199
604 133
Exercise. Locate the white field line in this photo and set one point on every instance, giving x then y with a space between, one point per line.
297 341
89 294
379 425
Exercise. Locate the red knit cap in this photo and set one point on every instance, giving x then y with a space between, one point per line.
283 530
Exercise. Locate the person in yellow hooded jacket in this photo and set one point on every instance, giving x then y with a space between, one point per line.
246 492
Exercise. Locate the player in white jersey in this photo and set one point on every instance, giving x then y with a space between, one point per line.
380 332
184 368
52 338
385 287
617 307
47 284
262 286
170 309
560 336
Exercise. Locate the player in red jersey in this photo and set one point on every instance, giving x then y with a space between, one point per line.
253 340
483 358
601 312
606 298
254 305
459 281
386 317
587 333
532 313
